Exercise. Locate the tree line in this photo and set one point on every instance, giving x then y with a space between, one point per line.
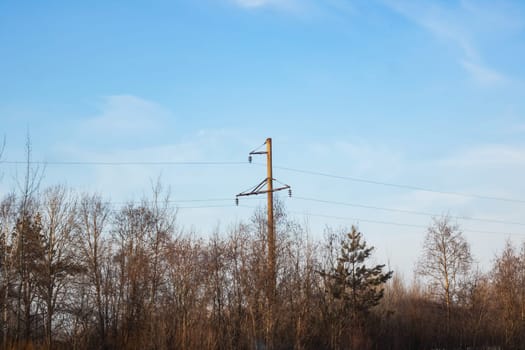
78 273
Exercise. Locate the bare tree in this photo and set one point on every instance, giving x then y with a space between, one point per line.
509 284
299 286
445 261
8 215
30 180
158 237
93 217
59 261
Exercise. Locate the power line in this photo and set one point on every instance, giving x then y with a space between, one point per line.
285 168
346 218
123 163
391 223
390 184
174 202
410 225
355 219
458 217
197 207
207 206
189 207
169 201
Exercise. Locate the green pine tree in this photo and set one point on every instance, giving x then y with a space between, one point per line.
353 287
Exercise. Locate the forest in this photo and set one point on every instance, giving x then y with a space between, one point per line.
79 273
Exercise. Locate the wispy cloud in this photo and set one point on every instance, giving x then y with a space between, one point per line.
256 4
366 159
123 182
460 24
488 156
483 75
302 8
126 114
492 170
438 21
490 14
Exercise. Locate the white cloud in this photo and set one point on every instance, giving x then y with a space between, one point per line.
459 26
306 9
281 4
127 114
364 159
433 202
490 170
253 3
483 75
501 14
371 158
438 22
122 181
488 156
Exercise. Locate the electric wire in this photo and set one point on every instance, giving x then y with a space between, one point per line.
285 168
174 205
406 211
168 201
390 184
309 172
206 206
345 218
124 163
391 223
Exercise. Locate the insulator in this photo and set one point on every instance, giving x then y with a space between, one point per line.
290 192
250 159
236 201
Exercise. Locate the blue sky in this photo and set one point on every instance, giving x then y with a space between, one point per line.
427 93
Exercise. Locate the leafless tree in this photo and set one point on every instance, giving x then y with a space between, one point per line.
95 253
8 214
445 261
59 260
509 284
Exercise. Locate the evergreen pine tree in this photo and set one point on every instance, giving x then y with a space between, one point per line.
354 287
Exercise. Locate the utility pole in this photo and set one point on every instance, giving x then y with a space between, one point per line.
271 269
271 225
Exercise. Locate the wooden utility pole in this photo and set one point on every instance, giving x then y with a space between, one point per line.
271 267
271 225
